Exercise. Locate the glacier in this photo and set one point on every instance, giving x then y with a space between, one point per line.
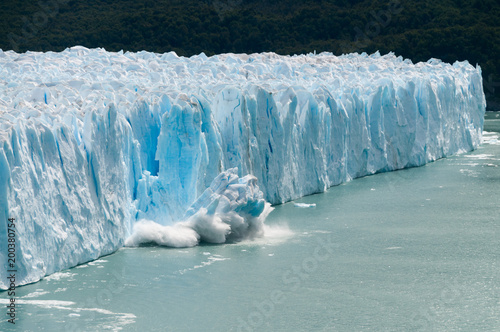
104 149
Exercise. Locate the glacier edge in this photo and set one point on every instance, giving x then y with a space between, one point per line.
144 136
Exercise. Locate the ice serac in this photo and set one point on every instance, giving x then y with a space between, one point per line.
231 209
71 203
101 149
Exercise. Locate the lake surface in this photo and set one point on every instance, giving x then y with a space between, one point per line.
412 250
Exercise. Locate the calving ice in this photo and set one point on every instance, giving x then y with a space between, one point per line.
100 150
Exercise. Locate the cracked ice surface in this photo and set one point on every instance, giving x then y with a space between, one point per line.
95 144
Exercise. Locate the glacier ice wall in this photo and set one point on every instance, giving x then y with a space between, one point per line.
231 209
94 143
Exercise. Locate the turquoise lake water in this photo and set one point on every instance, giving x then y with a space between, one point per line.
412 250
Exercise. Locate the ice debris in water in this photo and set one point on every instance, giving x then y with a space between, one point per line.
232 208
304 205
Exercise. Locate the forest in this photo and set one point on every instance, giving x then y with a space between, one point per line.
449 30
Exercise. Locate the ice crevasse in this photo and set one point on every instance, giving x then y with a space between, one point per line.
100 149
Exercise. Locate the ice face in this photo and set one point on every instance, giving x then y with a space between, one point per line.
100 148
231 209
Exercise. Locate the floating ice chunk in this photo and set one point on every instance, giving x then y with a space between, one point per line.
304 205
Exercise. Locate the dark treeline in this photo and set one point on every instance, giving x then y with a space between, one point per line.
421 29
